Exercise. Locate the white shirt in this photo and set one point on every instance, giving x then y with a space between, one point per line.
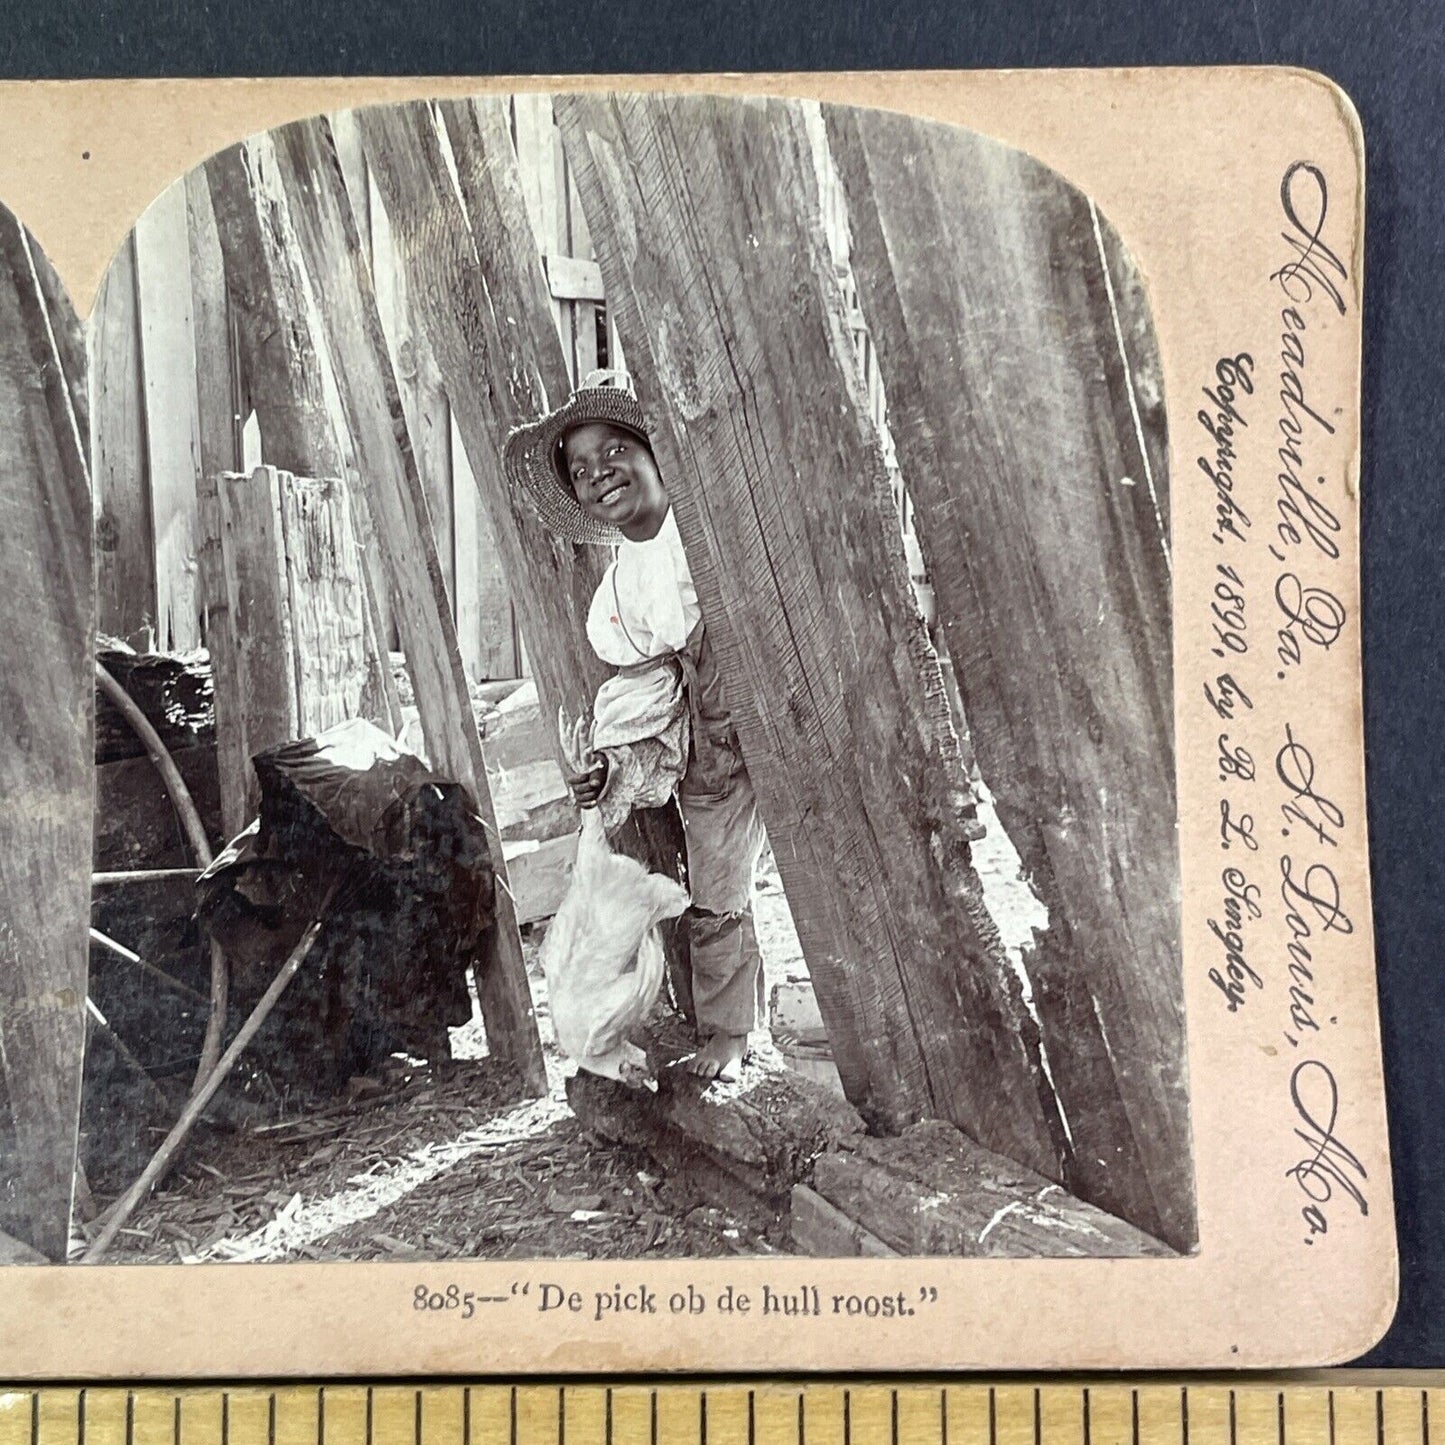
646 604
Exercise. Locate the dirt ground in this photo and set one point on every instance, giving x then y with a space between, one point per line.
451 1161
431 1163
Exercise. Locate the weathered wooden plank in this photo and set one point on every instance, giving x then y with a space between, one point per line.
378 600
578 233
531 125
1042 511
502 364
288 624
124 543
614 345
68 332
268 292
933 1191
323 593
584 333
822 1229
47 699
256 701
579 246
173 427
221 636
215 383
216 389
353 170
573 278
288 373
346 305
428 417
714 260
485 620
482 598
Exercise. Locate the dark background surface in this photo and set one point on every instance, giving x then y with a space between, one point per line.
1389 56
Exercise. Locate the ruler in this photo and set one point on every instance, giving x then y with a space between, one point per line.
1243 1411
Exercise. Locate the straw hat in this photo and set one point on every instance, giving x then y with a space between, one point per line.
533 454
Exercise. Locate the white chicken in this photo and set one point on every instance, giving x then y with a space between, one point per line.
602 956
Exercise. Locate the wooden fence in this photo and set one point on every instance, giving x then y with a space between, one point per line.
163 333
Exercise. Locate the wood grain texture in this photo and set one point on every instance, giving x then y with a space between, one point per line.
68 332
486 623
210 316
219 629
478 281
823 1230
47 768
124 542
371 402
286 614
428 416
324 593
1037 466
379 609
172 414
933 1191
273 313
712 251
216 393
249 631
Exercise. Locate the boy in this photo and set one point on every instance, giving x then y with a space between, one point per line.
588 472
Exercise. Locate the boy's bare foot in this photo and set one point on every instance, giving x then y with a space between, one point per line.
720 1057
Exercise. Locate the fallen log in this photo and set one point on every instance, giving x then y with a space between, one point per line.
743 1145
933 1191
823 1230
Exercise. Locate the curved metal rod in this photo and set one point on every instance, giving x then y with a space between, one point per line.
195 832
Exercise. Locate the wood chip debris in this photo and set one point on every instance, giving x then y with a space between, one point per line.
513 1195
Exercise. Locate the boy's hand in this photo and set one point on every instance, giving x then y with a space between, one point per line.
587 787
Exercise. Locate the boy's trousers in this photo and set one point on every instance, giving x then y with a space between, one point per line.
724 840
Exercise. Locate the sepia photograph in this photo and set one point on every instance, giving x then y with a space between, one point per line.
608 670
